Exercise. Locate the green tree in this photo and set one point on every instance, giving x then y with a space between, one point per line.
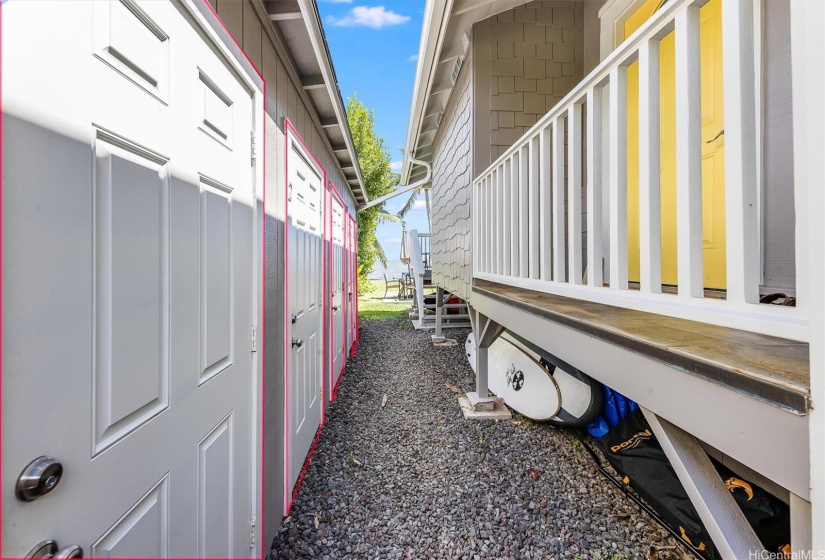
374 158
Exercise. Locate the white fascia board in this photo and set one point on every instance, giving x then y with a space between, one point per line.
436 18
316 35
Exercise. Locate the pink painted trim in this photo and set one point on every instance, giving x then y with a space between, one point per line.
334 192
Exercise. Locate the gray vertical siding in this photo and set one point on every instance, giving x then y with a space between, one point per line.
283 101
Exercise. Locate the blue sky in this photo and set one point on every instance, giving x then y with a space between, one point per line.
374 44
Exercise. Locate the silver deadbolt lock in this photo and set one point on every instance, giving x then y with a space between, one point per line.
38 478
48 549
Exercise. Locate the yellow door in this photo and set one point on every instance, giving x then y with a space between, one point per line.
713 147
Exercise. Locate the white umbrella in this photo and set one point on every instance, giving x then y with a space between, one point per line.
406 247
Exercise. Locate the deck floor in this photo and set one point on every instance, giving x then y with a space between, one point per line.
414 479
765 367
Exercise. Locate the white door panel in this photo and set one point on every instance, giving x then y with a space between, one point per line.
127 293
305 283
337 288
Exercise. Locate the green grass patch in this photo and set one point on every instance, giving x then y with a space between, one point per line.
372 306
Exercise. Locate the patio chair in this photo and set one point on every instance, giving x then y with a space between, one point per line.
391 284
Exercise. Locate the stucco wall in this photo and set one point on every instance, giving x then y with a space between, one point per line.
283 101
452 174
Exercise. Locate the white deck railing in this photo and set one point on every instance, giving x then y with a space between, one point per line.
523 238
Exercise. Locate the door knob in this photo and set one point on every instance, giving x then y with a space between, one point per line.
297 342
38 478
48 549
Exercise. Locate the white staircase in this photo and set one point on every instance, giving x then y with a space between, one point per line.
437 310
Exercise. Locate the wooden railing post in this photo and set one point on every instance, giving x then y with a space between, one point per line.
524 211
515 231
741 188
594 187
546 211
559 264
688 154
535 241
650 237
507 227
574 192
618 178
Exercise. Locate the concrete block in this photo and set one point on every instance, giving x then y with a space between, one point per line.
552 34
533 33
507 102
564 52
506 119
509 67
552 69
505 49
545 51
534 103
479 403
564 17
499 412
524 14
508 31
534 68
506 84
525 84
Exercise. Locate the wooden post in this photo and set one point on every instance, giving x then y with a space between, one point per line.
559 263
439 309
618 178
650 236
595 275
807 62
574 192
688 154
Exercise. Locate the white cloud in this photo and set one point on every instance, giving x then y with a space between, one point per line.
363 16
395 166
413 57
420 204
338 1
392 240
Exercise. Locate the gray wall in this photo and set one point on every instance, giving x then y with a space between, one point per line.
779 263
521 63
283 102
452 176
526 60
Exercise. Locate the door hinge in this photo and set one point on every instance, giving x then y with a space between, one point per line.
254 338
252 530
254 147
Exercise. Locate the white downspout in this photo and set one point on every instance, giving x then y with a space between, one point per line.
404 189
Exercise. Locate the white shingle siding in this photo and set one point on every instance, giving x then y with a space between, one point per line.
452 176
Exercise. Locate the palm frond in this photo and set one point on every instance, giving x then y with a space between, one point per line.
381 255
384 217
410 202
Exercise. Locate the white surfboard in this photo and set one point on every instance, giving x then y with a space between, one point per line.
537 384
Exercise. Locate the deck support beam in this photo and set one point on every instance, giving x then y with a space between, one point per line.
731 533
486 332
439 310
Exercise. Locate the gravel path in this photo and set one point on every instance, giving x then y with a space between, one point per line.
415 480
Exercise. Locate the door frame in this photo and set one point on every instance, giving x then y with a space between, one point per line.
293 138
333 191
352 265
219 35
